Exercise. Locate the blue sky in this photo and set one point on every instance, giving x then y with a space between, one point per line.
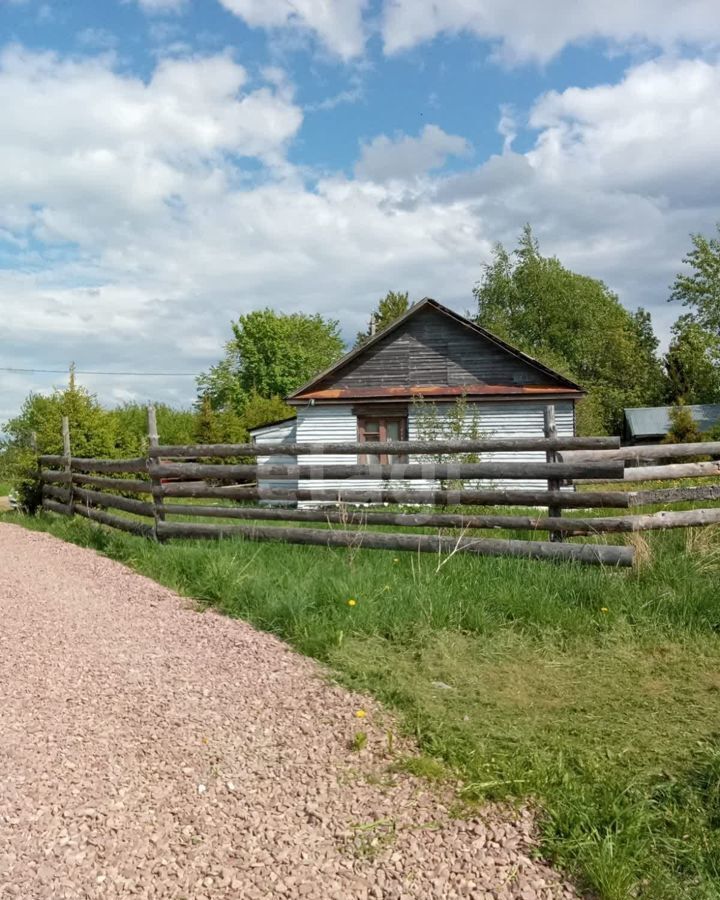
168 164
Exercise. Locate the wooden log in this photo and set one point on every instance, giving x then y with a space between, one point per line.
646 452
599 554
674 495
152 467
63 509
662 473
79 464
488 445
67 455
64 495
361 517
129 485
111 501
551 456
105 518
55 476
567 499
396 471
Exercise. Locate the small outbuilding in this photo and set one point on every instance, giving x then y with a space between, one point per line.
650 424
429 357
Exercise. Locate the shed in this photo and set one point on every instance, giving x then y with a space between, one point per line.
427 358
650 424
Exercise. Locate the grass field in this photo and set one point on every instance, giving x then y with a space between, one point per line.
5 488
595 693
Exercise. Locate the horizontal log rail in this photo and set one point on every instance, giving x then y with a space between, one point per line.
132 486
111 501
675 495
647 452
130 525
79 464
487 445
361 517
662 473
62 509
394 471
490 497
599 554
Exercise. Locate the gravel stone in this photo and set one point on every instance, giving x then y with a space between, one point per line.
119 703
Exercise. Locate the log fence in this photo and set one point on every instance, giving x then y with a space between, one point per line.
169 476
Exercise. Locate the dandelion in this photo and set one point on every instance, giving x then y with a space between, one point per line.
352 602
604 609
360 714
396 559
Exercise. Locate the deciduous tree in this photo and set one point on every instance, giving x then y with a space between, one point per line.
393 305
574 324
270 354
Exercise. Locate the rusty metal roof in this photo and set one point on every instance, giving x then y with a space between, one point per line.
435 390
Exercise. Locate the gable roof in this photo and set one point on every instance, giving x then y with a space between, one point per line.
654 421
313 389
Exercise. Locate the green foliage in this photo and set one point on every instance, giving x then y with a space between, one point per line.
130 424
270 354
592 693
683 427
37 430
692 363
575 325
456 421
700 289
393 305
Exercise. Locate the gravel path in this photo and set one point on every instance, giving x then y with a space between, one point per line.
147 750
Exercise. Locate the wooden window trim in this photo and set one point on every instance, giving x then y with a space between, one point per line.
382 419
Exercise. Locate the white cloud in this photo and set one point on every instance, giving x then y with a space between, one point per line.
338 24
138 232
538 31
656 132
405 157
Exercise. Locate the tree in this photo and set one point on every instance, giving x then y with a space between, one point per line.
575 325
683 427
270 354
700 289
692 363
393 305
37 430
130 423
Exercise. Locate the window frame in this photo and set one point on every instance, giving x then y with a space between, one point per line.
382 417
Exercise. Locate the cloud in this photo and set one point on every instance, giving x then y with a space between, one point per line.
405 157
338 25
138 217
536 32
656 132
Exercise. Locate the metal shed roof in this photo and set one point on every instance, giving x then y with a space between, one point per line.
654 421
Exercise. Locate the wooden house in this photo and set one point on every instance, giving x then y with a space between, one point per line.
430 356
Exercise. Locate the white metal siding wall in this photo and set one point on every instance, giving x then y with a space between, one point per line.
516 419
284 433
511 420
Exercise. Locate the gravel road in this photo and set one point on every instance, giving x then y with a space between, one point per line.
148 750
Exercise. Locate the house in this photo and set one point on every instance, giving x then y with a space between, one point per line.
650 424
430 355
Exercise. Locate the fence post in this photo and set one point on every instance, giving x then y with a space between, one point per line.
67 463
551 456
153 441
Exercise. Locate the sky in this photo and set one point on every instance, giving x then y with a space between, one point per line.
167 165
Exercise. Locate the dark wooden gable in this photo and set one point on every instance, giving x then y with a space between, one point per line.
430 348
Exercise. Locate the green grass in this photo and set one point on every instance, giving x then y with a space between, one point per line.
594 693
5 488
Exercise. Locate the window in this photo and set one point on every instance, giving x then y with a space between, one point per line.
374 429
